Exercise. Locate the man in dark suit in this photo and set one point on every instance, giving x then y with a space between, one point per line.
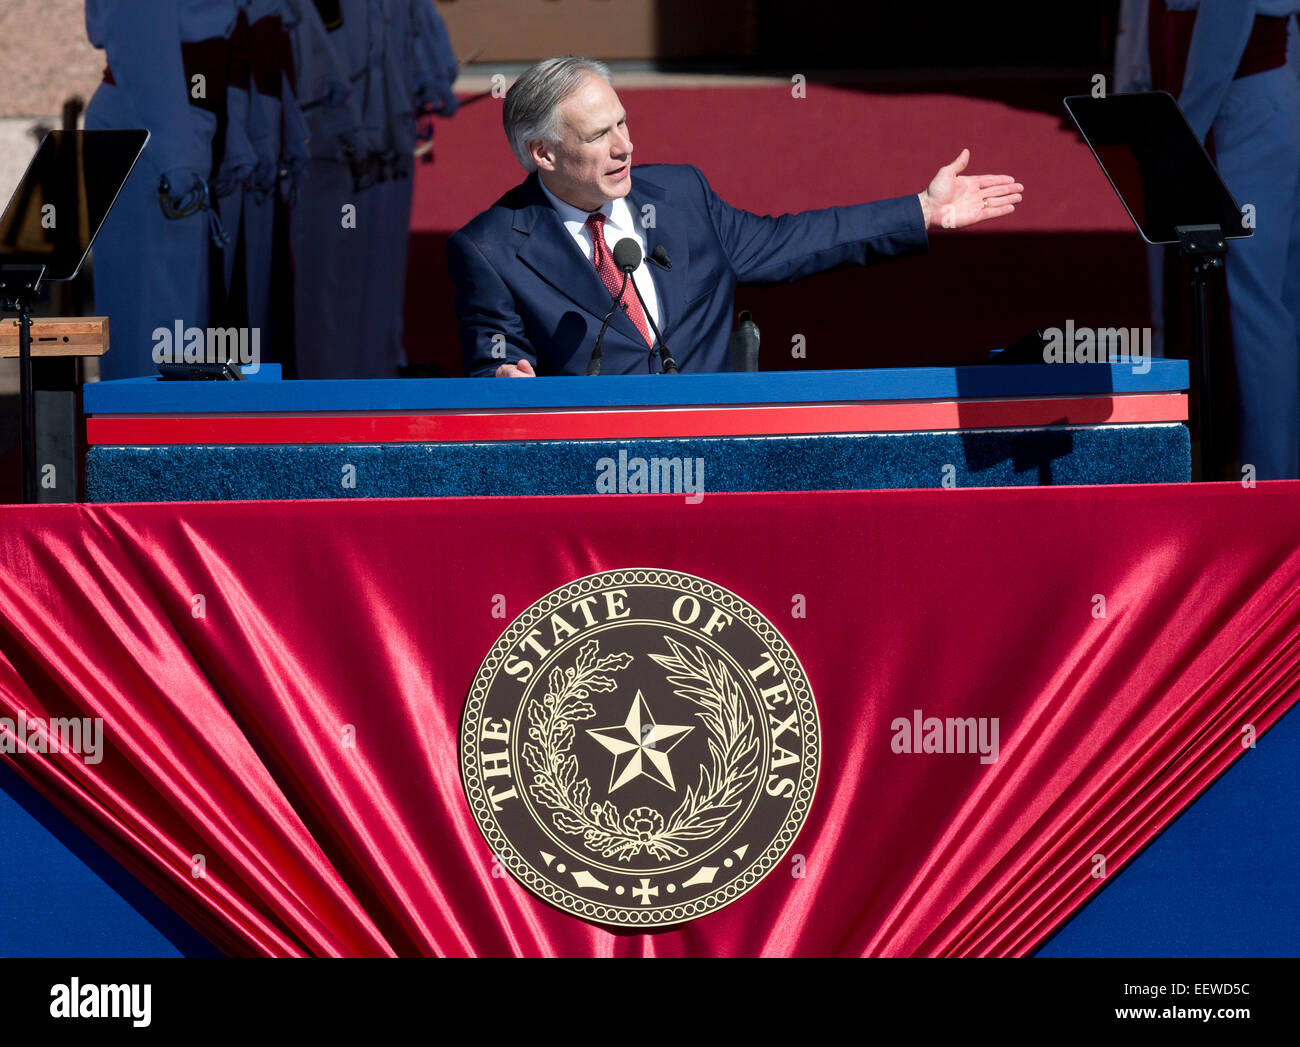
534 273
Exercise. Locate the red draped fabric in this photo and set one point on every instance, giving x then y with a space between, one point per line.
281 685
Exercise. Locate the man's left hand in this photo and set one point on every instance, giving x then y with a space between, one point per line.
954 200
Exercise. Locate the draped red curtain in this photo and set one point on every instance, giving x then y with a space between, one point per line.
281 684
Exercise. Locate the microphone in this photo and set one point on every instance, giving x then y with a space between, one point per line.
660 257
627 256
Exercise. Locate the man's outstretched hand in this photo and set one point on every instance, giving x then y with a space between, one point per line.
954 200
523 369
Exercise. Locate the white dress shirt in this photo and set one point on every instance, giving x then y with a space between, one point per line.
619 222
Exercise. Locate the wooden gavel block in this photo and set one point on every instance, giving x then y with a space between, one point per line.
58 336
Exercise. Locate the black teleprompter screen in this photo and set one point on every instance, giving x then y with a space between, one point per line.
1159 170
59 206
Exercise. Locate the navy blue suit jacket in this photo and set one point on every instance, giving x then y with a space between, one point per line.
524 289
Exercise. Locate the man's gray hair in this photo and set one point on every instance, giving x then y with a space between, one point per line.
532 108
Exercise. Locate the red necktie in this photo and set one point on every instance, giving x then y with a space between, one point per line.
612 276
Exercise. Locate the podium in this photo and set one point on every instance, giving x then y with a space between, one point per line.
1014 425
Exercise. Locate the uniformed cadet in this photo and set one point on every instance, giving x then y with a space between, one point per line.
329 260
237 163
434 59
278 138
389 122
418 68
295 137
1132 61
365 67
1243 82
165 73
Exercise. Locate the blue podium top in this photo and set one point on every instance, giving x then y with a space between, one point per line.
265 392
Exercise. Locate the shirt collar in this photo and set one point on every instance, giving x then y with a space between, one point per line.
616 212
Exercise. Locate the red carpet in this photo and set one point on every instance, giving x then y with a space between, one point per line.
1069 251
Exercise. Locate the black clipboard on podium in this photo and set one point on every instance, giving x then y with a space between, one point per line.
1171 190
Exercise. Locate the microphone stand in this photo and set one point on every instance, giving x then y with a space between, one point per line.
1205 246
593 365
670 365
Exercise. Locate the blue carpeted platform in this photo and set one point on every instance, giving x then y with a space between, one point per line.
1123 454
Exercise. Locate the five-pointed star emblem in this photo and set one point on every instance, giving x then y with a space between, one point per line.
640 746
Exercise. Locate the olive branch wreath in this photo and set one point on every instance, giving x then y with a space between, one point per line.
733 746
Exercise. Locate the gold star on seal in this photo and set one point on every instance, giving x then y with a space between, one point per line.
645 752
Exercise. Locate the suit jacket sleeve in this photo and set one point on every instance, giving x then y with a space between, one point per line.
491 329
763 249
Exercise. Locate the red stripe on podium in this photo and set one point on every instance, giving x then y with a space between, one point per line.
625 424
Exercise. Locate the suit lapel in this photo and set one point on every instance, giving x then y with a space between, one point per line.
549 251
669 283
